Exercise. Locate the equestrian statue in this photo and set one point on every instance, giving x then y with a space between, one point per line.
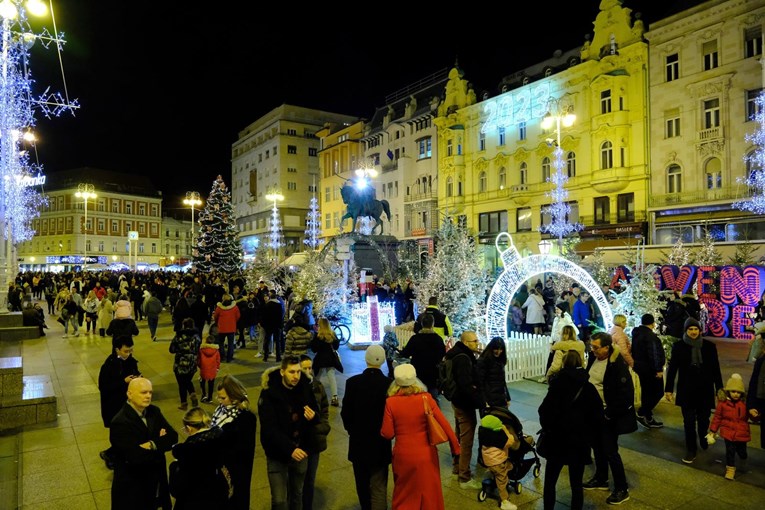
362 202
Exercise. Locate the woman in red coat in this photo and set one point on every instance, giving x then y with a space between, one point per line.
226 315
416 470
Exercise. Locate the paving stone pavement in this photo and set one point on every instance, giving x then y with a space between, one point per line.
58 465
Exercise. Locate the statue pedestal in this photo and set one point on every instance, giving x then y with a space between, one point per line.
377 254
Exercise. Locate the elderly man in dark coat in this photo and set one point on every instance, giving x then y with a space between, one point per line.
362 414
140 435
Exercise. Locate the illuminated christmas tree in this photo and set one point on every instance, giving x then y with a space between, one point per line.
680 255
456 277
707 255
218 247
756 162
313 225
559 210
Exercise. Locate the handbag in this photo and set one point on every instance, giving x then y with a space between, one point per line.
338 361
436 433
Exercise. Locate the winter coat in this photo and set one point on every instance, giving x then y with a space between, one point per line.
283 426
647 351
106 313
226 315
248 310
416 466
731 420
581 314
185 346
298 340
491 380
535 309
755 395
559 349
557 326
209 361
362 414
696 386
441 323
112 385
239 437
674 318
622 341
152 306
618 393
122 327
468 395
426 350
272 317
571 428
325 356
201 484
140 474
322 428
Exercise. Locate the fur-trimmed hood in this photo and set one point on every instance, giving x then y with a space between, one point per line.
265 378
229 306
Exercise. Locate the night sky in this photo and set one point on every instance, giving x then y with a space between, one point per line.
164 87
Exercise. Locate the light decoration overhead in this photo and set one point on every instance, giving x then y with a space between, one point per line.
756 162
518 270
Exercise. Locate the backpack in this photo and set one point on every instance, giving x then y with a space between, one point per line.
446 383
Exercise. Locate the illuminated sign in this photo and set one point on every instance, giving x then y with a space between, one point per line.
75 259
28 180
514 107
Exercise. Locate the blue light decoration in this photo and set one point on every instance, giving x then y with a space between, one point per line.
519 270
514 107
313 225
756 162
20 202
559 210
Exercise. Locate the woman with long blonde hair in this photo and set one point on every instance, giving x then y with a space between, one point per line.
326 360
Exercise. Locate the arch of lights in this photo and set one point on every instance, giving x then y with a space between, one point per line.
519 269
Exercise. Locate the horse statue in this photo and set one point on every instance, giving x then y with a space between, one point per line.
361 204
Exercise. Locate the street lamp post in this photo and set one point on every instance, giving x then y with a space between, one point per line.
192 199
85 191
274 241
559 113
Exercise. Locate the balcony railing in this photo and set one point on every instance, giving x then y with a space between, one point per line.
714 133
414 197
700 196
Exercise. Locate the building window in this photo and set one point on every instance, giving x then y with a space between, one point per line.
336 219
459 187
154 247
625 205
501 136
523 219
482 142
326 194
713 169
493 222
425 148
154 210
449 187
524 174
605 101
292 132
711 113
115 227
673 127
101 225
752 108
672 66
140 248
115 206
291 170
142 210
100 246
752 42
482 182
545 169
449 147
502 178
101 205
128 208
292 186
312 152
141 228
114 246
521 131
327 220
674 179
571 164
292 149
606 155
602 212
711 58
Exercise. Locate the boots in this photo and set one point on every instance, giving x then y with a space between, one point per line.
183 406
194 401
335 402
730 472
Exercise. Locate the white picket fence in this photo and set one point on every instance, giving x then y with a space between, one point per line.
526 355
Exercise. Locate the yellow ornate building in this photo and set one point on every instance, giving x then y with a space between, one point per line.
495 159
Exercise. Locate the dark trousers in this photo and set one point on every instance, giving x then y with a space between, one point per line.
184 385
731 449
651 392
371 486
310 480
210 385
272 335
575 475
229 339
695 420
606 451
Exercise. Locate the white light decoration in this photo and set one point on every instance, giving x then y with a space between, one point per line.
368 321
519 270
275 234
313 225
756 162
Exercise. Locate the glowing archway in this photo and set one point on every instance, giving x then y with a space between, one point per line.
519 270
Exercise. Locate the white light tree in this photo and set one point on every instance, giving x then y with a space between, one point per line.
755 161
313 225
559 210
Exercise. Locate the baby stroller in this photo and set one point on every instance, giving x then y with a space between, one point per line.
522 459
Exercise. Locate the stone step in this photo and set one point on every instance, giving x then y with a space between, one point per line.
11 319
36 405
19 333
11 377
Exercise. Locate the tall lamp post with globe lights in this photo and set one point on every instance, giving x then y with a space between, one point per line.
85 192
559 113
192 200
274 238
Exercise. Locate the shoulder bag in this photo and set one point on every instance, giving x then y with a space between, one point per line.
436 433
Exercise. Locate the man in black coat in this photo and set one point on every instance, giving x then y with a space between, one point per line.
426 350
140 435
610 375
442 325
272 320
362 414
119 368
649 360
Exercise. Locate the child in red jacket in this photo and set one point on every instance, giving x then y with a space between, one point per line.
731 421
209 364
